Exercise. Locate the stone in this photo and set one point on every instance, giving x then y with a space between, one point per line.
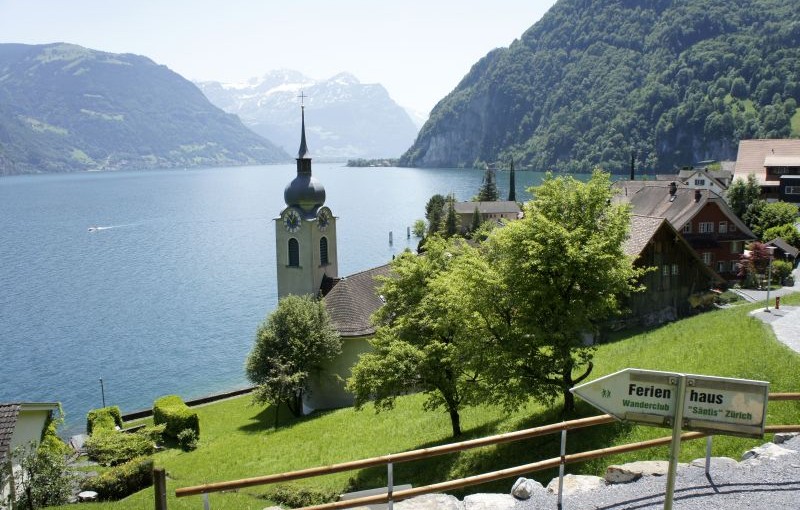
87 496
782 437
489 502
716 462
576 483
430 502
524 488
632 471
765 452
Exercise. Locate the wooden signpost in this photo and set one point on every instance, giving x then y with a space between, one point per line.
681 401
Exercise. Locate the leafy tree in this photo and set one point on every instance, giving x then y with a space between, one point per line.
295 340
419 228
788 233
434 212
544 282
741 193
42 480
451 222
488 191
775 214
753 265
476 220
423 342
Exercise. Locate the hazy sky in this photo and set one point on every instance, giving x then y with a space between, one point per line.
418 49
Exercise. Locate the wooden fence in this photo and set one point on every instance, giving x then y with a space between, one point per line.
424 453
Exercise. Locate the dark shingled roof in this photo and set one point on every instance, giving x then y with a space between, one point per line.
643 228
784 246
8 421
496 207
352 300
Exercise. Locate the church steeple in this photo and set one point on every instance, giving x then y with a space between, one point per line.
303 159
304 192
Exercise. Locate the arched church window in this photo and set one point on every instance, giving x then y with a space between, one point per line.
294 253
323 251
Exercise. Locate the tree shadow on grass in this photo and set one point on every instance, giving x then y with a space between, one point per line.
264 419
493 458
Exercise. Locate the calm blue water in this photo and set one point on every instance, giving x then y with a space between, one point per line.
167 296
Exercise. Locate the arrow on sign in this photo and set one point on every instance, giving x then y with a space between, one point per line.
642 396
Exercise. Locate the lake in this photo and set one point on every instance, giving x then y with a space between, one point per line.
166 295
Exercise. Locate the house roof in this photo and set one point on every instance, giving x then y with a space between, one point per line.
785 247
753 155
8 422
496 207
352 300
654 199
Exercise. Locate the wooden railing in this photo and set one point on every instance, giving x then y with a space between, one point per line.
424 453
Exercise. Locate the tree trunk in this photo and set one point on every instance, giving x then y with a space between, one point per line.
455 421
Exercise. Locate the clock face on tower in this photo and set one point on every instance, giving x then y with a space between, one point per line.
291 221
323 219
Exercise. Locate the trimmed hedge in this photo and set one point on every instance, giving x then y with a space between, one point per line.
121 481
104 418
112 447
176 415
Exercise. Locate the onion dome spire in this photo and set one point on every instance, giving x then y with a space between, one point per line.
304 192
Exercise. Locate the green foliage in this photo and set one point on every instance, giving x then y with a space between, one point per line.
175 415
593 81
451 222
50 440
418 229
787 232
292 496
781 269
423 342
187 440
476 220
488 190
112 447
741 193
42 479
296 339
121 481
105 418
775 214
434 213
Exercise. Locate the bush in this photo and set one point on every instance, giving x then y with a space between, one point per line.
297 497
176 415
104 418
111 447
187 440
121 481
781 269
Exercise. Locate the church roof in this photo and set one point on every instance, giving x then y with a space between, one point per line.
352 300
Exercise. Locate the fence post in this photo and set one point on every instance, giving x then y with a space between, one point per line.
390 483
206 502
561 467
709 440
160 488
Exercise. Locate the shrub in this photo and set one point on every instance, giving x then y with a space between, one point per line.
121 481
103 418
176 415
187 440
111 447
780 270
297 497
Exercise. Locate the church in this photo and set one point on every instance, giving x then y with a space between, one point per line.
306 259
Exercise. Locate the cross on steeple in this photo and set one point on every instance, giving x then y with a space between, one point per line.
302 97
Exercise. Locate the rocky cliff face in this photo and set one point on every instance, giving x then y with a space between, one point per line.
673 82
66 108
346 118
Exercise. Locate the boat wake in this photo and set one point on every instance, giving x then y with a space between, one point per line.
95 228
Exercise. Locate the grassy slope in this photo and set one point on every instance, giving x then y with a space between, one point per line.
238 441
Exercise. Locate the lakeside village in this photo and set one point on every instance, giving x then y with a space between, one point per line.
505 301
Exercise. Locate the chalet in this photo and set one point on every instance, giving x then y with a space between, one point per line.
775 164
678 277
20 425
701 216
488 211
784 250
701 178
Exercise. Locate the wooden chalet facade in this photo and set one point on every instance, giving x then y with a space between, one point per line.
775 164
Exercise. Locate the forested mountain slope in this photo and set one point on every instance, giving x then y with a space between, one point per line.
67 108
673 81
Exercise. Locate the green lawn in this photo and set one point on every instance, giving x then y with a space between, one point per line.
238 441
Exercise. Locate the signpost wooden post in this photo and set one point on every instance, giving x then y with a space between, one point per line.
681 401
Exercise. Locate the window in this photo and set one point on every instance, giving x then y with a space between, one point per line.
665 270
707 258
323 251
723 227
687 229
294 253
722 266
732 227
792 190
736 247
706 227
675 270
699 182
